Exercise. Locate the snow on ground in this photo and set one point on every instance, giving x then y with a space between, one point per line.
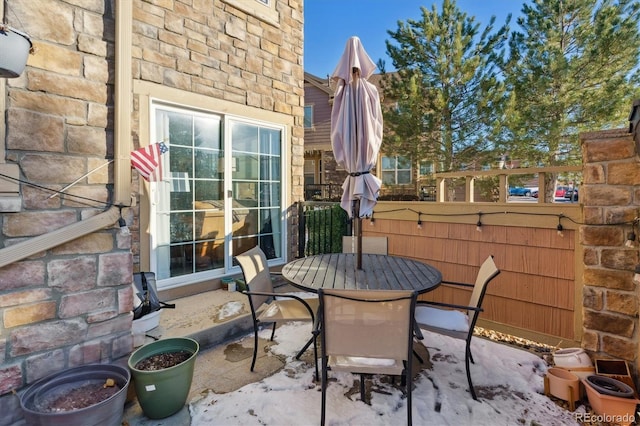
508 381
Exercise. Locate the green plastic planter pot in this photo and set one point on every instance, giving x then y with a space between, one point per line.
162 393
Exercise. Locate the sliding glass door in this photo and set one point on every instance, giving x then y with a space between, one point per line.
220 195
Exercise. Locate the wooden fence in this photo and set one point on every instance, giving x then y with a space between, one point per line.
538 294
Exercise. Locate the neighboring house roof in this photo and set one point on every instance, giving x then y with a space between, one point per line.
319 94
320 83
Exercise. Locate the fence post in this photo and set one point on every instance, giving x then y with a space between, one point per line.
302 226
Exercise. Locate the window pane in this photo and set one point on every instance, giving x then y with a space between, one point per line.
210 191
240 245
389 178
266 217
181 227
208 164
181 159
269 168
181 259
180 129
388 163
203 260
269 195
404 177
207 133
404 163
181 200
308 116
426 168
270 141
245 137
246 193
246 166
247 222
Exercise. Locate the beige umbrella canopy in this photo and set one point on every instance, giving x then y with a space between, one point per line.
356 132
356 127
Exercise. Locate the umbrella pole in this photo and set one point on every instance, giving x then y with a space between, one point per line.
358 233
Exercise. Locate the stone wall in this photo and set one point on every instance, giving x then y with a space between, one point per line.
611 195
212 48
71 305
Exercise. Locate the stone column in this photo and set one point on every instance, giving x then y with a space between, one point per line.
611 198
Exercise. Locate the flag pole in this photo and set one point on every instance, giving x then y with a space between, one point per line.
78 180
357 231
356 204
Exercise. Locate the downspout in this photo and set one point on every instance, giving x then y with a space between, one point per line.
121 169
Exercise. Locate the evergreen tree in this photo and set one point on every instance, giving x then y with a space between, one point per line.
446 99
572 68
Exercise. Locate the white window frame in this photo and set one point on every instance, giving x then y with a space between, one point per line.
261 9
310 109
395 170
428 165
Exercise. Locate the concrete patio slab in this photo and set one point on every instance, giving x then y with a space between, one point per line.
226 348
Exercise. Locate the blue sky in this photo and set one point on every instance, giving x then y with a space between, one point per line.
328 24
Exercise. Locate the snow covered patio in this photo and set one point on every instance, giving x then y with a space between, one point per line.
509 383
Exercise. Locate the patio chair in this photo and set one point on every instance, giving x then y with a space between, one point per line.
266 309
366 332
370 245
455 320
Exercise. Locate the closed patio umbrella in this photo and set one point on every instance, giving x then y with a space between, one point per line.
356 133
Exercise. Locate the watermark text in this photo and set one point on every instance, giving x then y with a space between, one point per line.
605 418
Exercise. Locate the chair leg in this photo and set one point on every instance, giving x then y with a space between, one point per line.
255 346
315 352
323 385
273 331
362 398
467 358
315 356
408 380
305 347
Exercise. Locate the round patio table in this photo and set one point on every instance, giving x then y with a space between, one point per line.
379 272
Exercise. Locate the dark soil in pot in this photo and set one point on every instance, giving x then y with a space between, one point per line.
76 397
162 361
88 395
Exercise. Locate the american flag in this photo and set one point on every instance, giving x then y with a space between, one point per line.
147 161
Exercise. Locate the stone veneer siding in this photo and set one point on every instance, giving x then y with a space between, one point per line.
610 194
211 48
71 305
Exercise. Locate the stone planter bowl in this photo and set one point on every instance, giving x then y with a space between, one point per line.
109 412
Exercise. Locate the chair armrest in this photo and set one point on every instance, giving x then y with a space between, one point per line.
276 273
417 333
260 293
457 283
317 324
290 296
449 305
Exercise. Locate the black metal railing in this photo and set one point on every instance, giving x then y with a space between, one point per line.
322 192
321 227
